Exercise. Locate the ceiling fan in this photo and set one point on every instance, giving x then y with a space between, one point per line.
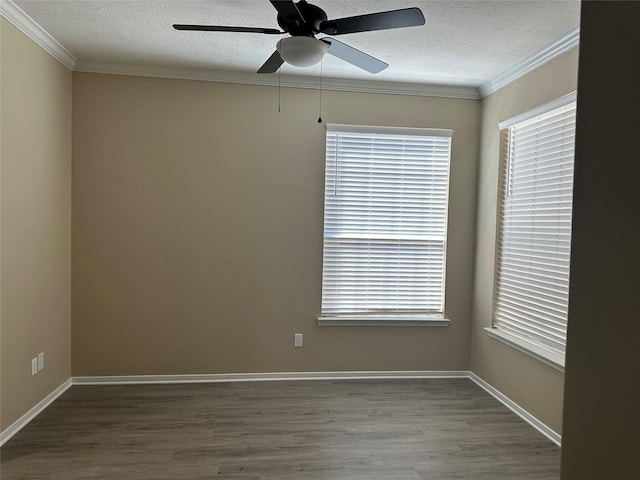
302 21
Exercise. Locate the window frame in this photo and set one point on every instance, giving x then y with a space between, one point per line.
387 318
529 346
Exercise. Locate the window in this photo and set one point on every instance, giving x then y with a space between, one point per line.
532 282
385 225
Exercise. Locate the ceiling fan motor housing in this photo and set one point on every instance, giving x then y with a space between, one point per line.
313 16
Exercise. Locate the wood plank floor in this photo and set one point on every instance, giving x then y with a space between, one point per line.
334 430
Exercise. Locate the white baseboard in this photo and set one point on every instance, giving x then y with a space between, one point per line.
276 376
517 409
263 377
19 424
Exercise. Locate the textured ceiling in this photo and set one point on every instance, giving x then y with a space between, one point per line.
463 42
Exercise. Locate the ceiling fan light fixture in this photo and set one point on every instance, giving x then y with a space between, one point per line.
301 51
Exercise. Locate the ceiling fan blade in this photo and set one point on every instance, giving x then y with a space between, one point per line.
287 9
406 17
215 28
354 56
272 64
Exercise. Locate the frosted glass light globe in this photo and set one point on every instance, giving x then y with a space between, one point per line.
301 51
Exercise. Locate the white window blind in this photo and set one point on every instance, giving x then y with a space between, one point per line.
532 291
385 221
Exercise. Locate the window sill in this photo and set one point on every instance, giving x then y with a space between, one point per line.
382 321
545 355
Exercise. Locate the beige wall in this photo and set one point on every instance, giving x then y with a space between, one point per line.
36 222
602 413
197 229
531 384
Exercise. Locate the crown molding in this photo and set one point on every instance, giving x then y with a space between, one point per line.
559 46
35 32
294 81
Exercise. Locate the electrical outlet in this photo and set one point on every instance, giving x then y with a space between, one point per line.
40 361
297 340
34 366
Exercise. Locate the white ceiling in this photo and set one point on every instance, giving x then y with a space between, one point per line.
464 43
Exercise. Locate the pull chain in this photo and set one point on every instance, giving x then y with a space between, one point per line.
279 73
320 103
